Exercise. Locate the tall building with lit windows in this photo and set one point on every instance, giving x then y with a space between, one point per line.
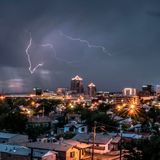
147 90
77 84
129 92
91 90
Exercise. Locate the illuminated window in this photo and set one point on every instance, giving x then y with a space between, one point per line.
83 152
72 154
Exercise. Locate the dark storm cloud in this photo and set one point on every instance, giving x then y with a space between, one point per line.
128 29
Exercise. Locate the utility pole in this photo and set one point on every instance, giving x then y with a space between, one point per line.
31 156
94 136
121 142
43 110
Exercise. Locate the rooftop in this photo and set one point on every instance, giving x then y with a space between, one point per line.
7 135
78 78
49 146
75 125
126 135
91 85
14 149
36 119
87 138
76 143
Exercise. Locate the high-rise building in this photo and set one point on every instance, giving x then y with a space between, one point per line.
91 90
129 92
147 90
77 84
38 91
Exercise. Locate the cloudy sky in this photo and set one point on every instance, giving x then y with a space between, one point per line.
65 34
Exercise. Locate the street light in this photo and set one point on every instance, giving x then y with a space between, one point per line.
33 103
2 98
119 107
131 110
132 106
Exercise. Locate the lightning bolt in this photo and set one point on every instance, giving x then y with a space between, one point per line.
32 70
49 45
86 42
29 58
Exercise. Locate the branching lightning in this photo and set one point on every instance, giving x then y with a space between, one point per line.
50 45
86 42
29 58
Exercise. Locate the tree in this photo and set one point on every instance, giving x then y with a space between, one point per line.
143 149
100 117
34 132
13 121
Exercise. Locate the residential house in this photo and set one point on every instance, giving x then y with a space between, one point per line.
126 135
18 152
115 143
13 138
75 127
73 117
82 147
50 155
102 142
37 121
64 151
14 152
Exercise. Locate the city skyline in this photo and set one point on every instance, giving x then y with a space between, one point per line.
115 44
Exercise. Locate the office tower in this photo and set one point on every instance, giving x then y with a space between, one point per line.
147 90
91 90
77 84
129 92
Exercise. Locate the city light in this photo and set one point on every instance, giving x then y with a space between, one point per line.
119 108
33 103
133 110
132 106
79 81
2 98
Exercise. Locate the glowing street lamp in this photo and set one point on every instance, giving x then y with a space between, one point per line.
33 103
132 106
72 106
2 98
29 112
119 108
132 110
124 104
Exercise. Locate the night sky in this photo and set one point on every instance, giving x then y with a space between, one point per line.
128 29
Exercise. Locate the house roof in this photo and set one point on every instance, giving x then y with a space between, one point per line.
49 153
36 119
87 138
21 150
7 135
76 143
75 125
126 135
116 139
49 146
14 149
